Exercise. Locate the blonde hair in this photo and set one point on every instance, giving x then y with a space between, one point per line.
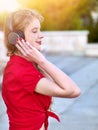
18 20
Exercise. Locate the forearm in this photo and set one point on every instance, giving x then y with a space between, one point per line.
60 78
45 73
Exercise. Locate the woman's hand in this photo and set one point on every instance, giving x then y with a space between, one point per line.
29 52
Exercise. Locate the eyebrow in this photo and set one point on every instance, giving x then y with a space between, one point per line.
35 28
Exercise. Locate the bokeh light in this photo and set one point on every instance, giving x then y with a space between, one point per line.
8 6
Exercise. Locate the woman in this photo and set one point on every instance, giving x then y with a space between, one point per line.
30 80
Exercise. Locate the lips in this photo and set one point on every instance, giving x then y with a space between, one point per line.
39 42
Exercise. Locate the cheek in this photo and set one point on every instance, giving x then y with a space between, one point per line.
30 38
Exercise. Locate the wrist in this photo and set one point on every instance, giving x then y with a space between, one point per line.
43 63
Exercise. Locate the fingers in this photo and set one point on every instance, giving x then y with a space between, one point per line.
24 47
28 51
19 46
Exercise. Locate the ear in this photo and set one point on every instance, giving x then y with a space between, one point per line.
20 33
12 36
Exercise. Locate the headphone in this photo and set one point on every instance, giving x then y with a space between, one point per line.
13 35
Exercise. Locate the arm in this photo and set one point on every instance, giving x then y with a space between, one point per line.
63 86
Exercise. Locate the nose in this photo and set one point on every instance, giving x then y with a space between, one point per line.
41 35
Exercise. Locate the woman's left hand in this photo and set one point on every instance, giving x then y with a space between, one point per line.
28 51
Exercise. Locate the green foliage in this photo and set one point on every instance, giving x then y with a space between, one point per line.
93 35
60 15
65 14
51 10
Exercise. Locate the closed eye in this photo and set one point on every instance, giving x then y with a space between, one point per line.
35 30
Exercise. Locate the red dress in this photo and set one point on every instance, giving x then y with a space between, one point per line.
26 109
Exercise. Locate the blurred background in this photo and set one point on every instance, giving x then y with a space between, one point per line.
59 14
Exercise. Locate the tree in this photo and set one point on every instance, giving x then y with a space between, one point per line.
63 14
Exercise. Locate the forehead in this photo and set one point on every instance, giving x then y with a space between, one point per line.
35 23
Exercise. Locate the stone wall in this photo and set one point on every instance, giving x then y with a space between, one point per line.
3 57
91 49
65 41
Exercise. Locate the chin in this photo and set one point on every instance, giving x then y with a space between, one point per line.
39 48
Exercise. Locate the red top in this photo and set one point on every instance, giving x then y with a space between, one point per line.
26 109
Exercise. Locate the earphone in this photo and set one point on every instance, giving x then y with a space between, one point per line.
13 35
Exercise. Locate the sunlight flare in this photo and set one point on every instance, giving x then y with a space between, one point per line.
8 6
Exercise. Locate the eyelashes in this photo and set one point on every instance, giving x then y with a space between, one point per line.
34 31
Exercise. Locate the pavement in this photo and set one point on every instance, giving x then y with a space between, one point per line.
79 113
